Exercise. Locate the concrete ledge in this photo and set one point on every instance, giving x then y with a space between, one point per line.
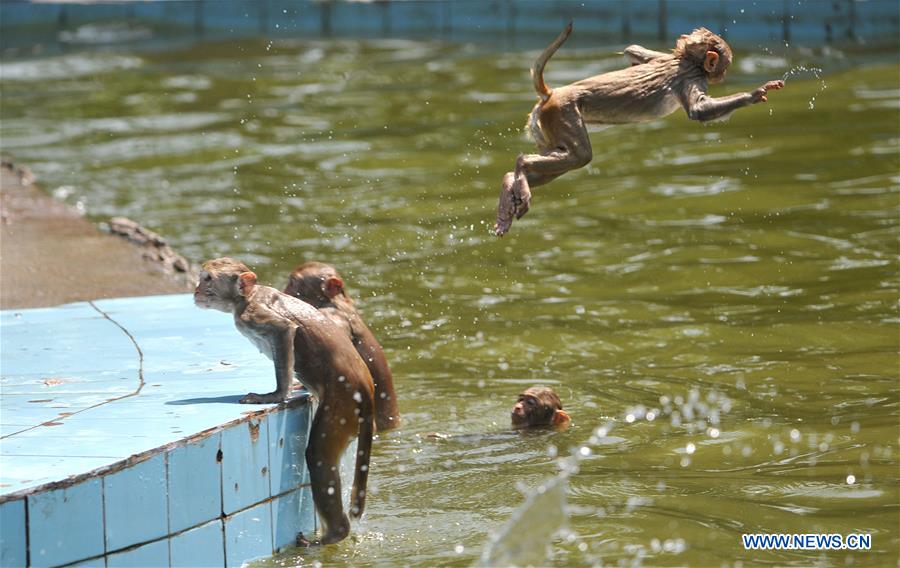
123 442
50 254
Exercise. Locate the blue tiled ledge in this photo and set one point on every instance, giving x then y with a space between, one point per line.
123 443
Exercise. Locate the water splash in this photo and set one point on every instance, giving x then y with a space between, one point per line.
544 514
815 72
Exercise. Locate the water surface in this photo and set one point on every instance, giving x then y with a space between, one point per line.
736 282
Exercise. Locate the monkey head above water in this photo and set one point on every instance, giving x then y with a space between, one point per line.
299 339
655 85
537 407
320 285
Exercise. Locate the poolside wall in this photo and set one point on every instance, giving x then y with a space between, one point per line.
526 23
123 443
215 499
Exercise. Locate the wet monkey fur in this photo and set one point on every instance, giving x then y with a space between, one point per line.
302 341
320 285
656 85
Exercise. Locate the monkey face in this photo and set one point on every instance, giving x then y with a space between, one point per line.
218 287
207 295
699 45
532 408
538 406
524 411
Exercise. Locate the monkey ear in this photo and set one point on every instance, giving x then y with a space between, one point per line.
560 419
711 61
246 281
333 286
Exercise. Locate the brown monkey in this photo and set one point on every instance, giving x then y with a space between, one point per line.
320 284
301 340
539 406
655 85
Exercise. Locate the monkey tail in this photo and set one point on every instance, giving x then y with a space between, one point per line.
363 452
537 70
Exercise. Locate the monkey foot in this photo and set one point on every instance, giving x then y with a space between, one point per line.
383 424
520 190
268 398
337 531
506 207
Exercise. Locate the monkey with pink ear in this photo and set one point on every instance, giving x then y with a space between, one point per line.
655 85
320 285
302 342
537 407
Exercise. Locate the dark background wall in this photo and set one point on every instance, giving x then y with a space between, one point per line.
515 22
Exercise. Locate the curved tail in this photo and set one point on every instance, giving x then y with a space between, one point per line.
537 69
363 452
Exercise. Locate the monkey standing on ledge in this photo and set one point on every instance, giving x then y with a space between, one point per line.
656 85
320 285
300 340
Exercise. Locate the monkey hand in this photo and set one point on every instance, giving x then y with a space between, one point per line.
268 398
759 95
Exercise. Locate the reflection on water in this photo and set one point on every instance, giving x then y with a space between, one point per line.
720 301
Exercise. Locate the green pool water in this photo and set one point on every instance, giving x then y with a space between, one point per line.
736 282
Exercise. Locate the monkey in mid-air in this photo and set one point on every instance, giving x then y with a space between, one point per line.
655 85
538 407
320 285
299 339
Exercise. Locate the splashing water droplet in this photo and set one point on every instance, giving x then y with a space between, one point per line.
815 72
